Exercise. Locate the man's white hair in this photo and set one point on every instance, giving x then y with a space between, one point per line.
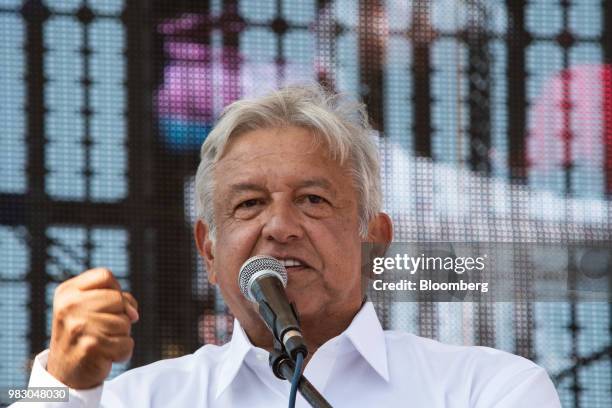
338 121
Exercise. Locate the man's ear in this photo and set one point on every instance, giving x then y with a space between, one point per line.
380 229
205 245
380 235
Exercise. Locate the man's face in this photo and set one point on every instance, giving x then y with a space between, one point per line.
278 193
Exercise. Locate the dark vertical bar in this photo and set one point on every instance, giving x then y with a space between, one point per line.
85 17
479 79
518 40
177 314
142 255
280 27
233 24
422 35
574 328
566 41
523 319
372 49
428 319
484 313
477 38
326 29
35 14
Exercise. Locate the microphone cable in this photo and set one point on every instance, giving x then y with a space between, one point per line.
295 380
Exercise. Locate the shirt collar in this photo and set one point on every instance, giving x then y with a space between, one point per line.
365 334
239 347
368 338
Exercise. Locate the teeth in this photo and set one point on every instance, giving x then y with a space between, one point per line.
290 262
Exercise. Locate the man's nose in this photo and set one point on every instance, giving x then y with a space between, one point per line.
283 223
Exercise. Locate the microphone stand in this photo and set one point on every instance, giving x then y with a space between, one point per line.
283 367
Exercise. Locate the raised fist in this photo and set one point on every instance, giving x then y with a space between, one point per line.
92 319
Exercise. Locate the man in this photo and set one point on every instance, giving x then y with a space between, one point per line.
293 175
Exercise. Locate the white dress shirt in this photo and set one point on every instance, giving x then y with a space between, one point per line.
362 367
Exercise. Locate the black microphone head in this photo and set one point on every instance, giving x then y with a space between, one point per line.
256 267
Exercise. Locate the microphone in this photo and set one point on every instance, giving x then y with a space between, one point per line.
262 280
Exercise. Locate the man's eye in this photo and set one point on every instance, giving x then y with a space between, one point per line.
315 206
315 199
249 203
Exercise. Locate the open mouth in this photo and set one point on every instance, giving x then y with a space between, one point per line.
292 264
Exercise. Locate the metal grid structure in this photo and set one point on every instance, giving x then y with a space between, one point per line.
105 103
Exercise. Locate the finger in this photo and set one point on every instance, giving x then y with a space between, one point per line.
131 299
131 306
106 301
99 278
111 324
101 300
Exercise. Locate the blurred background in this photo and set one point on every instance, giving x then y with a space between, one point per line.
494 120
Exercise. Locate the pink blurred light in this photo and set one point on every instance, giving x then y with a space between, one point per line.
569 121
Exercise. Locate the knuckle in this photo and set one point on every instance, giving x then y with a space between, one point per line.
106 275
76 327
61 294
65 307
59 289
116 297
131 298
89 344
126 325
121 326
59 311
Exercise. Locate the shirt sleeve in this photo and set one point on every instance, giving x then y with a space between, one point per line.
40 377
527 388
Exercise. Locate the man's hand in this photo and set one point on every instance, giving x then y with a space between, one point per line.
92 319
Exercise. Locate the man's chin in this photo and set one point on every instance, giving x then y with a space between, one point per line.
311 308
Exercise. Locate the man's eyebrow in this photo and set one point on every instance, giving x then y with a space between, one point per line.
315 182
241 187
245 186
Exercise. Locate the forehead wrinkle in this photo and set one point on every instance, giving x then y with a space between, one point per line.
314 182
227 164
238 159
